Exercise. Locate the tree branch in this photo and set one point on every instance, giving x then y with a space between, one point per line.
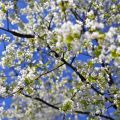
111 81
18 90
57 108
18 34
96 114
41 100
83 79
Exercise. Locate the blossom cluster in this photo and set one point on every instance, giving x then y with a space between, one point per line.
61 54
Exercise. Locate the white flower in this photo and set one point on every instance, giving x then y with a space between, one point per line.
76 28
89 23
95 35
116 96
97 111
112 47
23 72
93 27
118 38
118 50
87 35
58 44
76 45
99 25
1 110
101 57
109 36
79 22
90 13
31 75
97 68
112 30
67 100
68 32
2 90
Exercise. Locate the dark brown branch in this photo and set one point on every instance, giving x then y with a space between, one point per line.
76 15
72 98
83 79
103 116
49 27
7 19
57 108
45 73
73 59
41 100
111 81
18 34
90 6
2 76
51 70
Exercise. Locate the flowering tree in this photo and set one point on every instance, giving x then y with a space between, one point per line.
41 65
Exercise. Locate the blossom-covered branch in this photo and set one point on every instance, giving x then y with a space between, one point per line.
57 108
22 35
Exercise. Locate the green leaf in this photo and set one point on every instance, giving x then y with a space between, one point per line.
27 81
64 5
97 52
92 17
29 90
79 85
7 88
71 91
115 54
118 102
3 8
91 79
76 35
67 106
84 102
90 64
69 39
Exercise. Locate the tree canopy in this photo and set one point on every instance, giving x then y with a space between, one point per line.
60 58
